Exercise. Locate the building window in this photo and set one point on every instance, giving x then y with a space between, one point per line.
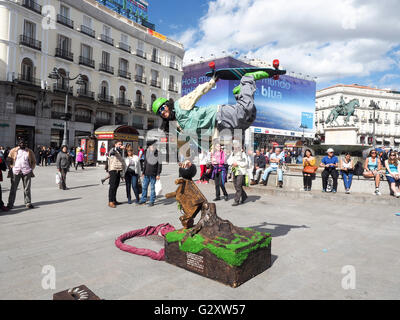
104 89
64 11
87 22
105 58
64 43
29 29
107 31
124 38
123 65
27 70
86 51
122 92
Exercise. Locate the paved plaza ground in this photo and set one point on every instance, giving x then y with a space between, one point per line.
314 237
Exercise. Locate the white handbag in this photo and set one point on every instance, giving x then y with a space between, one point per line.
158 187
58 178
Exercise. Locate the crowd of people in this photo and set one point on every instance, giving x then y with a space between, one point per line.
142 170
255 168
20 163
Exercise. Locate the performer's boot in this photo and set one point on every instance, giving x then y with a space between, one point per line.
257 75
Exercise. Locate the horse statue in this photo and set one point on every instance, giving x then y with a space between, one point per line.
344 109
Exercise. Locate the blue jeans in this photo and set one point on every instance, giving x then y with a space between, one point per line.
131 181
269 170
145 185
347 179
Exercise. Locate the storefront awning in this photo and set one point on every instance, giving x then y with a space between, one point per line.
117 132
293 144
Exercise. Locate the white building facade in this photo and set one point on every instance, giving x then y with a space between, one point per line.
125 67
387 118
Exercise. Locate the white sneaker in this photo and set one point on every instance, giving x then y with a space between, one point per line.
397 195
377 192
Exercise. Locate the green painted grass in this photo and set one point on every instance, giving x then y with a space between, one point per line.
233 252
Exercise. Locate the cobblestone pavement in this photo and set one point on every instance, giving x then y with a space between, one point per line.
313 240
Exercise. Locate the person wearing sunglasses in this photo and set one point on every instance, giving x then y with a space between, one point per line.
393 173
204 120
372 166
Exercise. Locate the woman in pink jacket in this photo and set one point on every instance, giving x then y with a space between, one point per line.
79 159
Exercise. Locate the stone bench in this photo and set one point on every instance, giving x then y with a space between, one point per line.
293 180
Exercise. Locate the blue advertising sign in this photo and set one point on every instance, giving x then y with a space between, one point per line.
307 120
282 105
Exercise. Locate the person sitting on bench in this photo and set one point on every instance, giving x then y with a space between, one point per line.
276 160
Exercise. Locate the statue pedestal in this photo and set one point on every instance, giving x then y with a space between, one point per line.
341 136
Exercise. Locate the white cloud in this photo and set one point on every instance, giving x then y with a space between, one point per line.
327 39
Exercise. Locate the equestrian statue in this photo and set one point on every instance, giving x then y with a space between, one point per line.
343 109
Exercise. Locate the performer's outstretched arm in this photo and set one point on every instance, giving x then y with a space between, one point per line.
187 102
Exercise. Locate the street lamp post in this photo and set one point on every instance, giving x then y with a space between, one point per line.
375 107
302 126
56 75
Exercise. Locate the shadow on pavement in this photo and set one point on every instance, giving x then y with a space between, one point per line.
278 230
37 205
87 186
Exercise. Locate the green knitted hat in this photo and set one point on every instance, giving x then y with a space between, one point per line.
158 103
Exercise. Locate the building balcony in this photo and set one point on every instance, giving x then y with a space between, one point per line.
124 102
102 122
156 59
65 21
107 39
173 87
140 79
64 54
83 119
32 5
363 119
58 87
155 83
173 66
30 42
387 122
356 119
141 53
124 74
82 93
86 62
28 79
29 111
58 115
88 31
140 105
105 98
106 68
125 47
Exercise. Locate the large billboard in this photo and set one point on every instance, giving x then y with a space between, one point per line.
285 106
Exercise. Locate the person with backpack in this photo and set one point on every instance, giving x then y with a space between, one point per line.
346 169
372 166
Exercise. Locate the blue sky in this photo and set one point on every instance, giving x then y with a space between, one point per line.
341 41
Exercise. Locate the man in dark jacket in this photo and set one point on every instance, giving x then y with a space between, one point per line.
63 163
151 173
259 166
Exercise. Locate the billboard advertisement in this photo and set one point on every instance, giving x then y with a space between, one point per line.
284 106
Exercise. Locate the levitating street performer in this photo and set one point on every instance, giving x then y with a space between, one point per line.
204 120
